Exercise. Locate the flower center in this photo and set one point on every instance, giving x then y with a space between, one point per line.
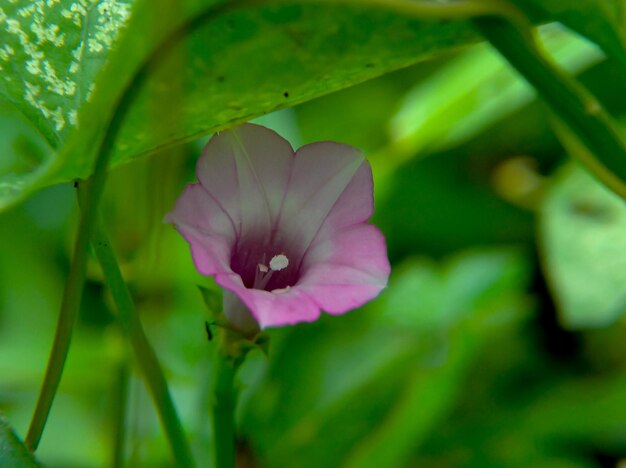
265 266
263 274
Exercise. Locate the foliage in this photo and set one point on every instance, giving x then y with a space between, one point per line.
12 452
499 340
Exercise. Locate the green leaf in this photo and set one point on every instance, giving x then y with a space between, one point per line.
13 453
599 20
212 299
51 54
229 64
582 230
473 91
65 65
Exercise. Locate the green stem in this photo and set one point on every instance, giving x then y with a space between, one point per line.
74 286
120 404
571 102
72 296
143 351
224 403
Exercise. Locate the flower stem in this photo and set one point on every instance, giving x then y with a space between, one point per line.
120 404
75 283
70 305
225 399
74 286
144 353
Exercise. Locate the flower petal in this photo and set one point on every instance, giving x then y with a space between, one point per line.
344 271
207 228
355 204
211 255
272 309
322 172
247 169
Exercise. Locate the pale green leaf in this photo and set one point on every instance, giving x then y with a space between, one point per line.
600 20
584 250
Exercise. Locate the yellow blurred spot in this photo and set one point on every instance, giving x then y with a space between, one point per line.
517 181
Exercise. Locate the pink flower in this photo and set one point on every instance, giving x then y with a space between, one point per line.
284 233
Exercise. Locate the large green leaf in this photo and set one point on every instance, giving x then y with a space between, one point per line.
13 453
51 52
221 64
582 229
64 66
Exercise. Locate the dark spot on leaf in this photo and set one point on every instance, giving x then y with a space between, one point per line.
592 211
370 65
220 79
75 184
286 94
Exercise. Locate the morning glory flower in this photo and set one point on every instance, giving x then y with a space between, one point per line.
284 233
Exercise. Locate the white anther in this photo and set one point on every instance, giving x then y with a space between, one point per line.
279 262
263 268
281 290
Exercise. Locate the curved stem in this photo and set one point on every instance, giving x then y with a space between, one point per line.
72 294
224 403
67 316
570 101
119 417
510 32
144 353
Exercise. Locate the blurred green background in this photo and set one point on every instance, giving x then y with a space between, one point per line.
499 341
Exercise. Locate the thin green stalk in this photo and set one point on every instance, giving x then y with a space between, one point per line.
120 405
72 296
225 400
571 102
74 286
143 351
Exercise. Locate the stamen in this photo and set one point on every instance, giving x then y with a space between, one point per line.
279 262
263 274
259 274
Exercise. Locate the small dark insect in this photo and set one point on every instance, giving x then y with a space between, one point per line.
209 333
75 184
286 94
